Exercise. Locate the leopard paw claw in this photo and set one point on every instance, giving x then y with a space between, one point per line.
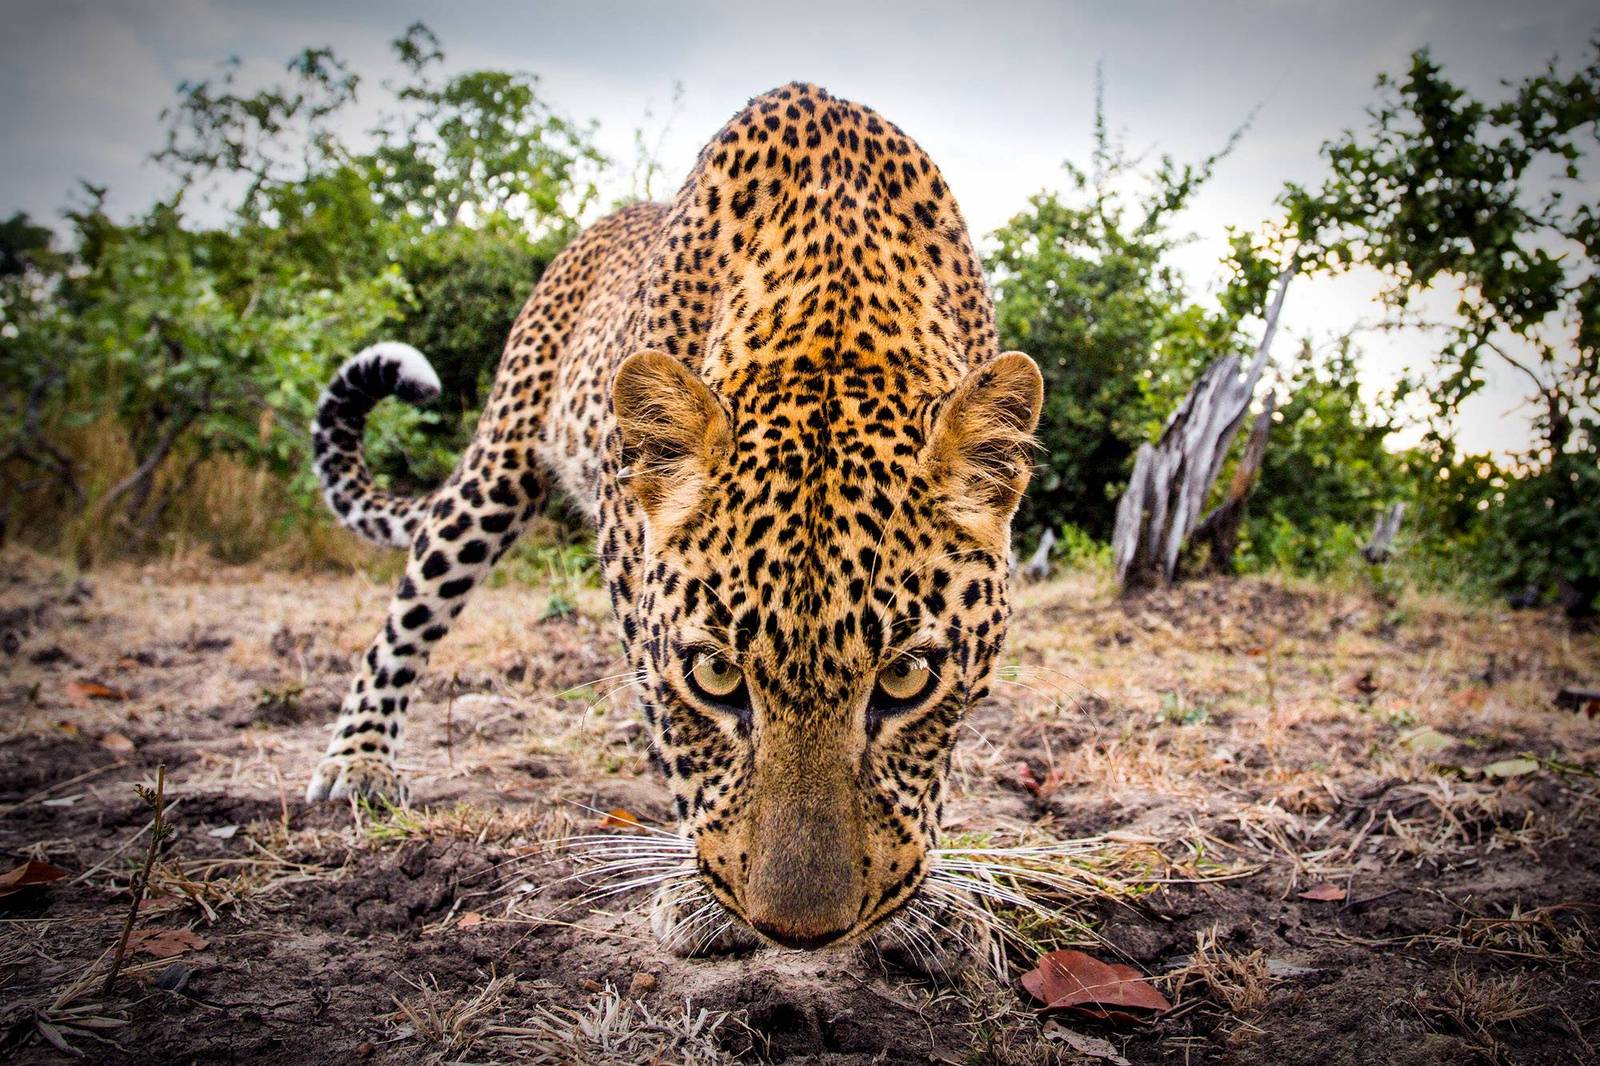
341 777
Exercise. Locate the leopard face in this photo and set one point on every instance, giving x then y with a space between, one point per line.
818 607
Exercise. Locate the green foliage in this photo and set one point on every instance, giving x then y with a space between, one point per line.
139 320
469 283
1493 203
1082 283
1077 550
199 341
1326 472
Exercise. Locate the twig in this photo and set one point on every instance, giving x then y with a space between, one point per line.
141 882
124 846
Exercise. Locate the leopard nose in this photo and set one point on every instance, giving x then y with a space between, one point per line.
791 939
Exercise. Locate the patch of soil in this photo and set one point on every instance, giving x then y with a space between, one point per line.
1219 720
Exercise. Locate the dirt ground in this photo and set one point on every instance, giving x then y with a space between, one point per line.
1221 749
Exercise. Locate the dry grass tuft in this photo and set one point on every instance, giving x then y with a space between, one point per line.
1474 1006
612 1030
1238 983
448 1025
1032 896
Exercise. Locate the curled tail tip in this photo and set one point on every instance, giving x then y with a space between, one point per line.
396 368
366 378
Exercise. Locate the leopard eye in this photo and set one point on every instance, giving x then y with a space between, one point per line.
714 675
905 679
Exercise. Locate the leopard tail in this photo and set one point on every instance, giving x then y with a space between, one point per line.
386 369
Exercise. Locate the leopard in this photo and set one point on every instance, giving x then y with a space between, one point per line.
779 400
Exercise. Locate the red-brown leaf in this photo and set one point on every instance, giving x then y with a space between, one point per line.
82 692
1072 979
165 943
1026 778
1326 892
31 872
620 818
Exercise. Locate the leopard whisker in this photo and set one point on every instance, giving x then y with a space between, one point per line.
628 886
601 872
926 912
600 839
711 937
988 890
704 915
919 942
636 823
637 675
1057 703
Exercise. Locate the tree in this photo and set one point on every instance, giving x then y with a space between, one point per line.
1082 283
1328 471
1493 203
196 340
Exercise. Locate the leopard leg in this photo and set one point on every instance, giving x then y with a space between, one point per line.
470 521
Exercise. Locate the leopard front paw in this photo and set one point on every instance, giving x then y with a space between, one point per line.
938 941
366 776
691 924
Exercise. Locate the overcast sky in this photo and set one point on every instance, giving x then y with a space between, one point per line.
997 92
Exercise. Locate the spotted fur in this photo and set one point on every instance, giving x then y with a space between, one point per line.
779 400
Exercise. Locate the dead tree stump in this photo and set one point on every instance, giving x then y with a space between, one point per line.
1172 477
1387 526
1219 530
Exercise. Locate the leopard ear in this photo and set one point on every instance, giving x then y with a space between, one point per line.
672 430
980 447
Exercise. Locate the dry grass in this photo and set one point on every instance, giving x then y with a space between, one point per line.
613 1030
217 507
1237 981
1482 1009
447 1025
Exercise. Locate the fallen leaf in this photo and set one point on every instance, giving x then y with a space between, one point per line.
69 728
469 919
223 832
1093 1047
1326 892
620 818
165 943
84 691
1511 767
1025 777
1068 978
116 742
1426 739
29 873
62 801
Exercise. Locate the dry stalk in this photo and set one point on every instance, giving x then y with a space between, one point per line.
157 800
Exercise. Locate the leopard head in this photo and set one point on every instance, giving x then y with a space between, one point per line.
823 594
